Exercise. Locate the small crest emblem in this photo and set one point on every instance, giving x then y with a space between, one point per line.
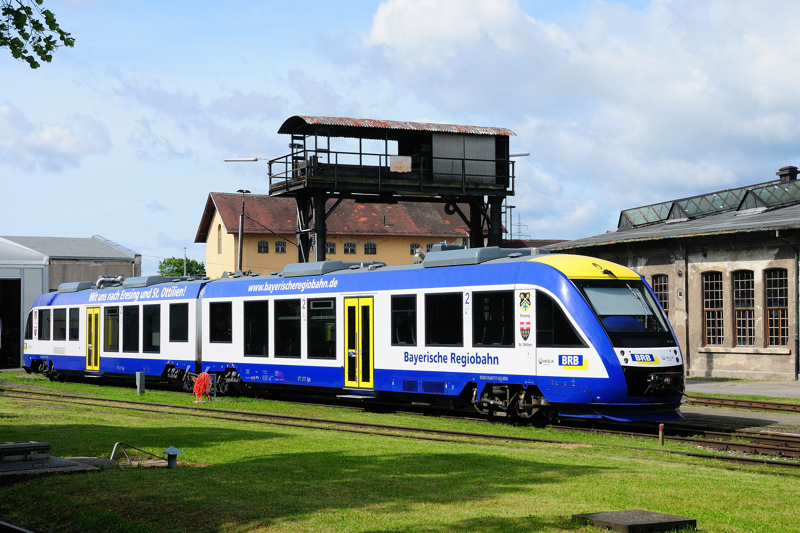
525 330
524 301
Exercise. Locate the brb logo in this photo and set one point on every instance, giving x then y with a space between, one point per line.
645 358
573 362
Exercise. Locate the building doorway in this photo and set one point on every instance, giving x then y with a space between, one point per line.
10 313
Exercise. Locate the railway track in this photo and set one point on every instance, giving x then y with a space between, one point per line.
787 446
704 401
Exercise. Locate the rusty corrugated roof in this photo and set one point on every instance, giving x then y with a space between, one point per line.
297 122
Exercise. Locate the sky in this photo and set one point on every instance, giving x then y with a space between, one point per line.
620 104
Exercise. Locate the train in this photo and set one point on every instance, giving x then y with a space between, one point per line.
519 333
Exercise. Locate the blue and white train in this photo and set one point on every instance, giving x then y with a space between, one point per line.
515 332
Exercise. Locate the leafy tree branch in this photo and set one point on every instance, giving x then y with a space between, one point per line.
30 31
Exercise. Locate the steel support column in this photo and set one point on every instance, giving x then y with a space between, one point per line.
496 221
304 214
476 222
320 226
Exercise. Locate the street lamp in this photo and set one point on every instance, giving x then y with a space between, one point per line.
241 226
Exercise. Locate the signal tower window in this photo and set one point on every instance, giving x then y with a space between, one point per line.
280 247
493 318
404 320
744 303
661 288
712 308
263 247
44 324
322 329
151 328
59 324
220 322
179 322
349 248
111 329
553 328
444 322
287 328
370 248
777 295
74 323
130 328
256 328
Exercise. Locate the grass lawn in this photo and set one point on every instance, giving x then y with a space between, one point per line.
275 478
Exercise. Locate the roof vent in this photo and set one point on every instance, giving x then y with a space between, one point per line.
787 174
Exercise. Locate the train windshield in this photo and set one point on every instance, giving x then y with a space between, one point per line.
628 312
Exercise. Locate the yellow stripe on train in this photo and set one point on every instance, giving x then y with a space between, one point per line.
582 267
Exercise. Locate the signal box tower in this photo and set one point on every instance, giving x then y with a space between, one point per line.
409 161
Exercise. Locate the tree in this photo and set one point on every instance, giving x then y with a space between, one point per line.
30 31
173 267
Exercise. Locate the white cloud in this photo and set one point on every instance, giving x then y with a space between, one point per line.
49 146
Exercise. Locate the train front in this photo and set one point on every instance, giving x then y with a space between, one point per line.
625 331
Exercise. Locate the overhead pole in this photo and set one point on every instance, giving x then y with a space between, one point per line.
241 231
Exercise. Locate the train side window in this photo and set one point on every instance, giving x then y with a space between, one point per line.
111 329
151 328
74 323
130 328
553 328
179 322
256 328
44 324
493 318
444 320
59 324
322 329
220 322
404 320
287 328
29 327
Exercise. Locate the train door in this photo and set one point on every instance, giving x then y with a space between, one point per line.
93 338
358 327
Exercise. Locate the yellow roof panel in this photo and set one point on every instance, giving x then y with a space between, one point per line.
582 267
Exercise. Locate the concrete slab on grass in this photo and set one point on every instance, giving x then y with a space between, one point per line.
636 521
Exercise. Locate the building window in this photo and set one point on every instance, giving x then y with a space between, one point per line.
349 248
370 248
744 296
428 248
661 288
415 247
465 242
330 248
777 296
219 238
280 247
712 308
263 247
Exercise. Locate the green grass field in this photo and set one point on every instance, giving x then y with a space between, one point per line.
257 477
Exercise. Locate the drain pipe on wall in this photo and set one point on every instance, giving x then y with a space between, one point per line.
796 305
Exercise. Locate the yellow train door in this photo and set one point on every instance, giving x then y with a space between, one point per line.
93 338
358 371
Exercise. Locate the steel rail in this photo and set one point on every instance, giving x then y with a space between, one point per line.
705 401
375 429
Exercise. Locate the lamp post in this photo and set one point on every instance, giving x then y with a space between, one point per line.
184 261
241 226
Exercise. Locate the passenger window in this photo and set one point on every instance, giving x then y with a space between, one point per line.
404 320
178 322
59 324
29 327
444 323
493 318
130 328
220 318
322 329
287 328
151 328
74 324
44 324
256 328
553 328
111 330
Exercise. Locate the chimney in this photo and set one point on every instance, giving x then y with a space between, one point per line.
787 174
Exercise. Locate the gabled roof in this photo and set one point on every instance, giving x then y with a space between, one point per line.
12 253
278 214
96 248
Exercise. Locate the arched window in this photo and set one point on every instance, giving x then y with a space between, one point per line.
744 304
776 293
712 308
219 238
